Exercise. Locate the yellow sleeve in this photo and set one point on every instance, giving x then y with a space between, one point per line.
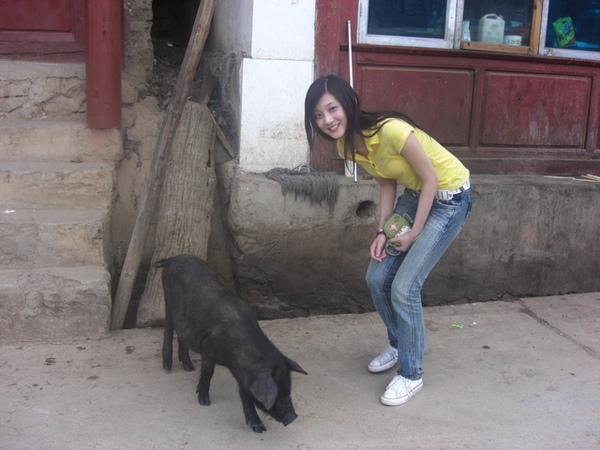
393 135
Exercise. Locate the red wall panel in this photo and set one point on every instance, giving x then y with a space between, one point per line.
534 110
439 101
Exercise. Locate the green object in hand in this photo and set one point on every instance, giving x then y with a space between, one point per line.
396 225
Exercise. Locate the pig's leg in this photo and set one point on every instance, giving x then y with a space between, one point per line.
250 412
184 356
206 372
167 350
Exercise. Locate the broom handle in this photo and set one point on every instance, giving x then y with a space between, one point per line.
351 71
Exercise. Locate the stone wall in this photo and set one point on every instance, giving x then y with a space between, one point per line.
32 91
142 119
526 236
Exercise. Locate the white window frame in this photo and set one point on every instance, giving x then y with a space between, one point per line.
560 52
453 33
406 41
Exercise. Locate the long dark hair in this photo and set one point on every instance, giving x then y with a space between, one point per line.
359 121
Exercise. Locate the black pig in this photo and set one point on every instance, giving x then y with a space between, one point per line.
211 320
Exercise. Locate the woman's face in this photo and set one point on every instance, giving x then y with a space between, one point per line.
330 116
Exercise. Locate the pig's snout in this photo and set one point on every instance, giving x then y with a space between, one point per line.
289 419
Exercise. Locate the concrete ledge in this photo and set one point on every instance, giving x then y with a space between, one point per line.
56 184
22 70
527 236
58 140
52 237
58 303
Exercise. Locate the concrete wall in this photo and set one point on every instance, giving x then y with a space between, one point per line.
271 44
526 236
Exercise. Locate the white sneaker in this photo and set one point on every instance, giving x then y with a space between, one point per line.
400 390
385 361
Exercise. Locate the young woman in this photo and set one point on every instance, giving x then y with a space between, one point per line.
437 196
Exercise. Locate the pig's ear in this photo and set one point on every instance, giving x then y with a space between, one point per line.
293 365
264 389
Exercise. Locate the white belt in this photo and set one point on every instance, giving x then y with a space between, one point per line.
447 195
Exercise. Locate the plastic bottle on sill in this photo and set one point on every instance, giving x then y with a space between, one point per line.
466 31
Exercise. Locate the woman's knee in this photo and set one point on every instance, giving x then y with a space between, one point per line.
406 292
372 280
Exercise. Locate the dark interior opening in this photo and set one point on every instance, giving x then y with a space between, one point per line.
173 20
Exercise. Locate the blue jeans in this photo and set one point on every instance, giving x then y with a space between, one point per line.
395 283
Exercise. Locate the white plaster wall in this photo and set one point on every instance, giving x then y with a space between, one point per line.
231 27
272 121
283 29
274 78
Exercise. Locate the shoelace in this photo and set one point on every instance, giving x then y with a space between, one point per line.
387 355
402 381
404 385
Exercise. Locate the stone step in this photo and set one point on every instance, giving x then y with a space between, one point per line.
37 90
57 181
54 303
24 185
52 237
57 140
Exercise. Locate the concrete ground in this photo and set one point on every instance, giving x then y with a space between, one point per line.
524 374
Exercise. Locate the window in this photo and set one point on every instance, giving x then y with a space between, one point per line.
417 23
564 28
572 29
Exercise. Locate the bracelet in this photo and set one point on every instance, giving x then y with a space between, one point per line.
379 231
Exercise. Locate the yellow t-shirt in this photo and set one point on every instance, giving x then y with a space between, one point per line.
386 161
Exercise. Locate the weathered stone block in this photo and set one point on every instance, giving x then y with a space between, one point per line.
54 304
52 237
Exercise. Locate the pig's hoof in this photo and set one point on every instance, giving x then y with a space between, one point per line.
204 400
258 428
167 365
188 367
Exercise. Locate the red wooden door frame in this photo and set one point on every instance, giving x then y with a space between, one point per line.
104 57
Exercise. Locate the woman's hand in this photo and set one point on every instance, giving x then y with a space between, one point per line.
403 242
387 198
378 248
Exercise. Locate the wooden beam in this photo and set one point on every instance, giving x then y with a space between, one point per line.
163 147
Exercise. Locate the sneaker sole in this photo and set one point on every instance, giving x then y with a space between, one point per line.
400 401
377 369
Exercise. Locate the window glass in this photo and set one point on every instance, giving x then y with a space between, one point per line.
411 18
498 21
569 28
573 25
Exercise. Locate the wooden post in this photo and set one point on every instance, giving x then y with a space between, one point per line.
163 147
185 205
103 60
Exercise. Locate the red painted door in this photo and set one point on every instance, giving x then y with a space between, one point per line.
41 26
